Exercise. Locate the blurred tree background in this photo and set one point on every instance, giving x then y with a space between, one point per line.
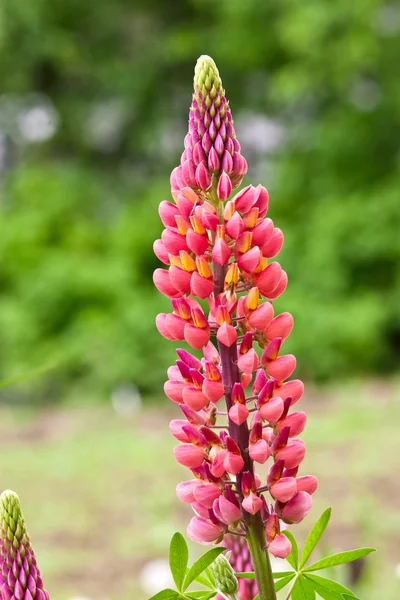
93 110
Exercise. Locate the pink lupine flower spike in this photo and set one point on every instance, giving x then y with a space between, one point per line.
221 278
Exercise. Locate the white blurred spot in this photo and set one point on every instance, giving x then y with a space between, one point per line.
106 124
29 118
397 570
155 576
365 95
126 400
387 21
258 133
37 124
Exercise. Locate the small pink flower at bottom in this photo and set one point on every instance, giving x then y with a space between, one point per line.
203 531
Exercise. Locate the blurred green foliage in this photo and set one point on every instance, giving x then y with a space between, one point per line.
78 211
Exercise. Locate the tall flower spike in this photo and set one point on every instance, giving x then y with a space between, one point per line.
218 249
20 575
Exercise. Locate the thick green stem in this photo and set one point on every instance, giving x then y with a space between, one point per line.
261 564
240 433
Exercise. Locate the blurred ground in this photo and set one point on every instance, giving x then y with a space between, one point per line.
98 489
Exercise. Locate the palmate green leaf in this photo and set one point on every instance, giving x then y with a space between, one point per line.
250 575
302 590
347 597
201 564
339 559
178 559
293 558
284 581
314 536
206 578
328 589
203 595
166 594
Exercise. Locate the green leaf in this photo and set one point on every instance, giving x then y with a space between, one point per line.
178 559
314 536
166 594
302 590
201 564
347 597
284 581
328 589
339 559
203 595
293 558
206 578
251 575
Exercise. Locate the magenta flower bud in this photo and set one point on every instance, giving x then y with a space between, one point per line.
280 546
202 177
203 531
282 367
262 202
259 381
19 573
293 453
307 483
297 508
261 318
224 187
284 489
